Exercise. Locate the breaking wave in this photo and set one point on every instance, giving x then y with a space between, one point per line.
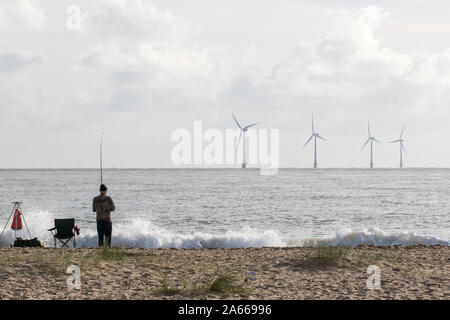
375 237
144 234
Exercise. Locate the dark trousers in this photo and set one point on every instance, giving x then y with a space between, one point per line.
104 230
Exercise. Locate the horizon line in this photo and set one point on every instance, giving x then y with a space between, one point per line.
211 168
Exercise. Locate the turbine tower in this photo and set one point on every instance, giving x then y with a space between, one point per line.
243 131
315 136
371 139
402 147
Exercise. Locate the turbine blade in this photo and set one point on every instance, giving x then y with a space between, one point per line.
321 138
239 140
365 144
394 141
376 140
308 141
401 135
254 124
312 123
236 121
403 147
368 127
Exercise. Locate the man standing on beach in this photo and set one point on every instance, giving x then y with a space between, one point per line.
103 206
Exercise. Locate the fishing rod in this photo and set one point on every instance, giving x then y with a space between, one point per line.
101 159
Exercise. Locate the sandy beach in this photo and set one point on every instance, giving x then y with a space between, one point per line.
416 272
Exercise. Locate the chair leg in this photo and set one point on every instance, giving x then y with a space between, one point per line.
66 242
63 243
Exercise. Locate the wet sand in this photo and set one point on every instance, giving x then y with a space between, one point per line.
415 272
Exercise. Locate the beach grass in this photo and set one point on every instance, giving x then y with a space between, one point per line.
331 255
167 288
111 254
226 283
221 283
365 259
321 257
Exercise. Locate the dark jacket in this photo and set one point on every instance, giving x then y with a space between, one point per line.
103 205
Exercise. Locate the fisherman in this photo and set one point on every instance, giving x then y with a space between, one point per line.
103 205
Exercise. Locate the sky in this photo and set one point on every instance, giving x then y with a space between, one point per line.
138 70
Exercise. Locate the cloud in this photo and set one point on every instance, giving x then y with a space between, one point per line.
147 61
143 74
21 14
433 70
16 90
17 60
348 70
349 60
135 19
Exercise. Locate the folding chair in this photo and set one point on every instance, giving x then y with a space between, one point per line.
64 231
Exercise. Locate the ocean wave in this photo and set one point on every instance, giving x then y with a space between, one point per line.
141 234
375 237
145 234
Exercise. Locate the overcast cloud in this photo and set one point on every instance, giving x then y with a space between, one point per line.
139 69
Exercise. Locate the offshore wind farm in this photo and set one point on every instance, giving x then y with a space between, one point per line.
315 136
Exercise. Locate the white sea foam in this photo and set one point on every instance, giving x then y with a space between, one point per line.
144 234
376 237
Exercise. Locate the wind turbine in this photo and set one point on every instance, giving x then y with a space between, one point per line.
315 136
371 139
243 131
402 147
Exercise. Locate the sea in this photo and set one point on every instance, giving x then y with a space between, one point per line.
236 208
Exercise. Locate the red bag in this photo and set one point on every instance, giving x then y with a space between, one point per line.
17 221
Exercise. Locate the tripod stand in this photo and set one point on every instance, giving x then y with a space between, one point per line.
16 209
